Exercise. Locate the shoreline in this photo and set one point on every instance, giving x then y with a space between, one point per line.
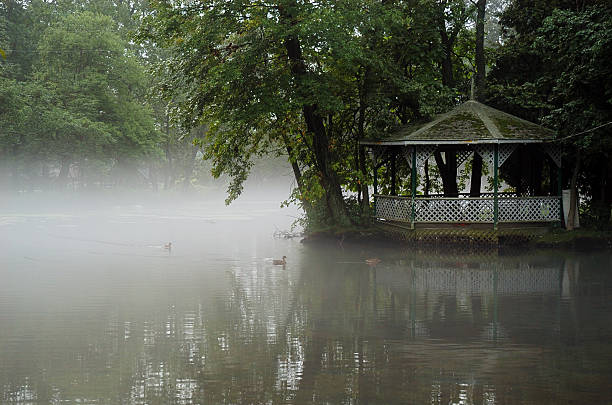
462 239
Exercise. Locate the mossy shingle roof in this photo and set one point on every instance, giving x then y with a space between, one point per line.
470 122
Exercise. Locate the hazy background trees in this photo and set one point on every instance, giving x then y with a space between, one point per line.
116 93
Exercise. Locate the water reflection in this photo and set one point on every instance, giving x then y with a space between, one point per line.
328 328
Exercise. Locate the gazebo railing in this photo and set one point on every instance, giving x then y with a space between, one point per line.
454 210
464 195
468 210
467 195
530 209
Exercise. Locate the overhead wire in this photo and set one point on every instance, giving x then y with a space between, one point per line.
581 133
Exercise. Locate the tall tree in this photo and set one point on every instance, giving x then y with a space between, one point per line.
309 77
84 62
480 89
553 68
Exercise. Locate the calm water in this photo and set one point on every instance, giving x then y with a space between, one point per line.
94 310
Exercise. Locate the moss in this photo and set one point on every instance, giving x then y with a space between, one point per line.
513 128
463 125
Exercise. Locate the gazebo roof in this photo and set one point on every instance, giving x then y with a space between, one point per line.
470 122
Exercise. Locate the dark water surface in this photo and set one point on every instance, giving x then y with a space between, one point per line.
93 310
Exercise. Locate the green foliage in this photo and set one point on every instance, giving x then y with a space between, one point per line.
555 68
368 67
73 86
239 81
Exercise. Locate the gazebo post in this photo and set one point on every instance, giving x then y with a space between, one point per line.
495 186
413 186
375 178
560 193
393 174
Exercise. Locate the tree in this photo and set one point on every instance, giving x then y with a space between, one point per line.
554 68
84 63
480 88
305 77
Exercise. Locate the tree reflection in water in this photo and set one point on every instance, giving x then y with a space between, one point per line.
413 329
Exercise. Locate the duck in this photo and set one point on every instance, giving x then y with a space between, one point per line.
280 262
373 261
168 246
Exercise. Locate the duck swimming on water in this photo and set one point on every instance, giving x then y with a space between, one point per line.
280 262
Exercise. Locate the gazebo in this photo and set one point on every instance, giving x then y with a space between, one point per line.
469 129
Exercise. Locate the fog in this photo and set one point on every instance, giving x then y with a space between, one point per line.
96 307
96 223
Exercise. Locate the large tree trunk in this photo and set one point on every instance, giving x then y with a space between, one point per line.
447 38
329 179
447 62
448 171
297 173
480 56
365 194
475 179
336 209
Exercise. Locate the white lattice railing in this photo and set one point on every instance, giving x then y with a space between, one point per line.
529 209
467 195
454 210
472 210
393 208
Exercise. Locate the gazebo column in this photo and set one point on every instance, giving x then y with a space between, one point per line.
375 179
489 154
393 174
560 193
413 186
495 186
554 151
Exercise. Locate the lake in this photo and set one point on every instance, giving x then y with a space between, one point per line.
94 310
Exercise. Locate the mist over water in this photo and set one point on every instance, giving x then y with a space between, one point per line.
95 309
